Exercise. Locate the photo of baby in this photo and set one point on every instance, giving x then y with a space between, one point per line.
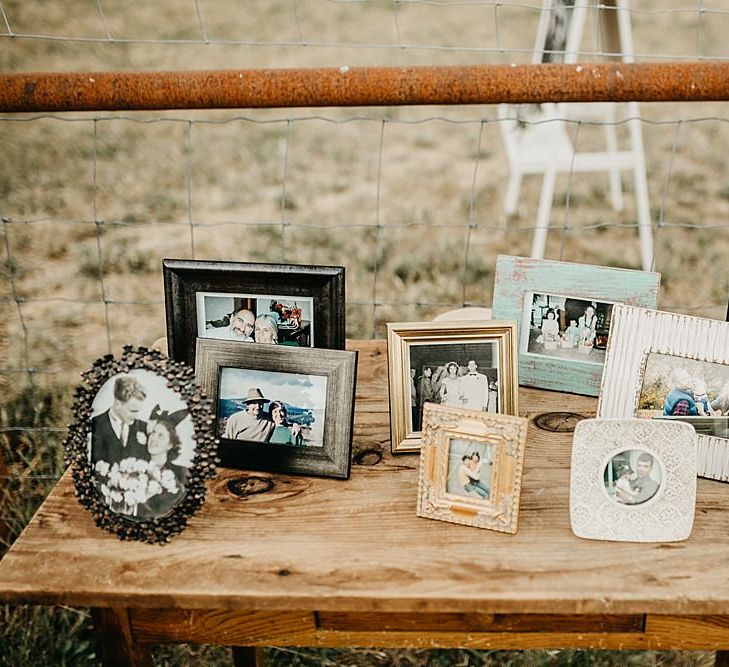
470 465
686 389
632 477
560 326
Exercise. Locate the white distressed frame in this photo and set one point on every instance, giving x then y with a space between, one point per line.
666 517
637 332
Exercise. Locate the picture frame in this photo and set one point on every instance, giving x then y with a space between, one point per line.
649 355
471 467
426 361
140 445
280 409
633 480
286 295
567 353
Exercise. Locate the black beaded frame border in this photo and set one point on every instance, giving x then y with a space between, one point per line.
180 379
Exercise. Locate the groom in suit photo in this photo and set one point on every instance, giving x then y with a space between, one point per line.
117 433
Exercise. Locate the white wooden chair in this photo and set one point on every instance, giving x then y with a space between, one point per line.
537 140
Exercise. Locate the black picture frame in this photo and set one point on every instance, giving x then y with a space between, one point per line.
333 458
183 279
177 378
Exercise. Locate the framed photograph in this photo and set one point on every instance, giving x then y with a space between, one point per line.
140 445
284 304
470 467
633 480
565 312
462 364
279 409
672 367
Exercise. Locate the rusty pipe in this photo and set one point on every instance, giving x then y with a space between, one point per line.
364 86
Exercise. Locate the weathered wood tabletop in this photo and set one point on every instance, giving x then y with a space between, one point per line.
328 562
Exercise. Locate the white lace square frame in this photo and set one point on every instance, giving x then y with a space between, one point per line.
668 516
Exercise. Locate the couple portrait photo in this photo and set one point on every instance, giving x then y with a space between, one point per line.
255 318
272 407
463 375
470 465
632 477
560 326
141 445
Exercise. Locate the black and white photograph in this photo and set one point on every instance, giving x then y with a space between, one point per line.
272 407
464 375
141 444
256 318
632 477
565 327
470 466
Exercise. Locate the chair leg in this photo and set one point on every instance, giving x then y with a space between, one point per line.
511 200
645 230
616 190
539 241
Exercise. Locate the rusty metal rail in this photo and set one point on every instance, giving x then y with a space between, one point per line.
366 86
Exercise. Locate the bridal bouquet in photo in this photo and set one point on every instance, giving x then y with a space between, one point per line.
132 482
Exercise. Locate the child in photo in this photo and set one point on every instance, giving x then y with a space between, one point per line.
549 327
680 400
623 491
572 334
469 475
701 398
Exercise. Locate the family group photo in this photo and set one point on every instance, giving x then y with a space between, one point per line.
632 477
470 465
567 328
463 375
272 407
255 318
141 445
686 389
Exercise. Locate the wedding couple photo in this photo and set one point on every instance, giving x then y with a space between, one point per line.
141 445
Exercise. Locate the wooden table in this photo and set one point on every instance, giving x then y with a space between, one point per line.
315 562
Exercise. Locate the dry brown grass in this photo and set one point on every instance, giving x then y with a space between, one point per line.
131 172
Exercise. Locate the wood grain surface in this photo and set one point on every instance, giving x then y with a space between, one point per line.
322 545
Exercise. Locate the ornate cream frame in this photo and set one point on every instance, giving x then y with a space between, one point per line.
508 435
399 338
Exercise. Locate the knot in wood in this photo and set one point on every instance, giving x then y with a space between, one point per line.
558 422
368 457
250 485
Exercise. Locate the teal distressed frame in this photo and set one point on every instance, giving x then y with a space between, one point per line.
517 276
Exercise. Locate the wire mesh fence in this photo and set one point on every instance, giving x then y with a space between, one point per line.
410 200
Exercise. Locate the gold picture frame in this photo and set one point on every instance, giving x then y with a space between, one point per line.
457 487
434 348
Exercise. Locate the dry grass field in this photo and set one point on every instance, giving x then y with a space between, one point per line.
408 199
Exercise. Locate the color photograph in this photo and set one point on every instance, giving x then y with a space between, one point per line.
255 318
272 407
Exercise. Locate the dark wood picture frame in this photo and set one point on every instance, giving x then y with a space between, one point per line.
180 380
184 278
333 459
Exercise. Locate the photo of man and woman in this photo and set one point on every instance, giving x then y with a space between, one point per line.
567 328
141 445
272 407
470 465
687 390
465 375
256 318
632 477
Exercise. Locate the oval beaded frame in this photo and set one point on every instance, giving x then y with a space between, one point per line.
180 379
